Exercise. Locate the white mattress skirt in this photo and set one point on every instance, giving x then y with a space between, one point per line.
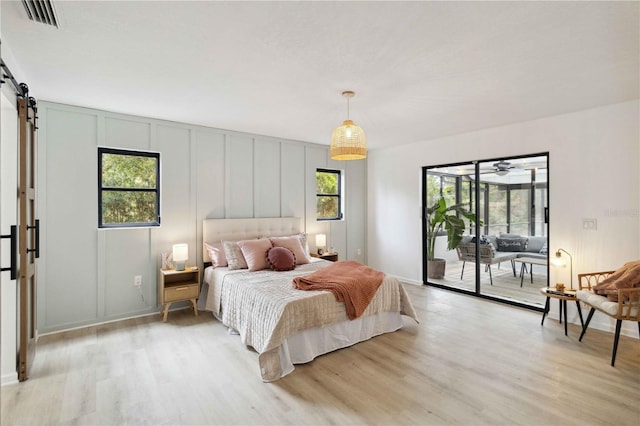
306 345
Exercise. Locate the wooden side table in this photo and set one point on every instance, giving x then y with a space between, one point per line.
332 257
176 286
563 297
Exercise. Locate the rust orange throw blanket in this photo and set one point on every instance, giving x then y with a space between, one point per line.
351 282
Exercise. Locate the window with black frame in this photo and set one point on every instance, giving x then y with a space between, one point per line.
501 253
329 194
128 188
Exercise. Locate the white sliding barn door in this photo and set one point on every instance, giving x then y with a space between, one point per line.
8 217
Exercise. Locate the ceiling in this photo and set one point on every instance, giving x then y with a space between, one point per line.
420 70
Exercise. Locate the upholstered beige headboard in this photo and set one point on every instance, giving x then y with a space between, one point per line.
216 230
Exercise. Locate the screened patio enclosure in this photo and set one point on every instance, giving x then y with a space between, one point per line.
503 254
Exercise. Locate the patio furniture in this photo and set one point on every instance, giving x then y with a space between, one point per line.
467 253
626 308
531 261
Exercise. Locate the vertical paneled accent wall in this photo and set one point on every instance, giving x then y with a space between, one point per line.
86 274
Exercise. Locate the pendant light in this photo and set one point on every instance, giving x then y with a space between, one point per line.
348 141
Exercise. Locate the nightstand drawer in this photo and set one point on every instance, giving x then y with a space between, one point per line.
189 291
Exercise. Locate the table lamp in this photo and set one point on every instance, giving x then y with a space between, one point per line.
558 261
321 242
180 255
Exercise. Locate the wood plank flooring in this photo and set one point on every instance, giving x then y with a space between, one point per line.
469 361
505 285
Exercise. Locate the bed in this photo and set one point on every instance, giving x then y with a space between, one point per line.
284 325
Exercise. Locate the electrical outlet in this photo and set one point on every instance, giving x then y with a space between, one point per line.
590 224
358 252
137 281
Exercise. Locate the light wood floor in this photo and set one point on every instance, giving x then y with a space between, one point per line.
505 285
469 362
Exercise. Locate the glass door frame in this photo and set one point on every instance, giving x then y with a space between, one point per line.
478 228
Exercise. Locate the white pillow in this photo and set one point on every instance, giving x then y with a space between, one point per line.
305 243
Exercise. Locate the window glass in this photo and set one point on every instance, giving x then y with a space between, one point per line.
449 189
128 188
433 188
520 211
328 194
497 222
467 197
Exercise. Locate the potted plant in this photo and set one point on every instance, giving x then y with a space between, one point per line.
443 219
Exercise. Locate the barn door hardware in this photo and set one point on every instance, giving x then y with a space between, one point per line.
14 248
36 228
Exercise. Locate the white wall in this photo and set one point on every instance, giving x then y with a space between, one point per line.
594 168
9 209
86 275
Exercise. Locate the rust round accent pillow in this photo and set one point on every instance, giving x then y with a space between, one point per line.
281 259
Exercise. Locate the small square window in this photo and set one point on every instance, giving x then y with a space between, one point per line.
128 188
329 194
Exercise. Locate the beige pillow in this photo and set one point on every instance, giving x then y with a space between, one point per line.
294 244
255 253
234 256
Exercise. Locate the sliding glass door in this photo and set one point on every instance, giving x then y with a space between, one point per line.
449 196
485 228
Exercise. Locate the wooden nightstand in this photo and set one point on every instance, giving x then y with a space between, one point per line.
175 286
332 257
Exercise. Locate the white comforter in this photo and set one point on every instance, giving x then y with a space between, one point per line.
265 309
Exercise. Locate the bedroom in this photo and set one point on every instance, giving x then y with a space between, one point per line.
588 146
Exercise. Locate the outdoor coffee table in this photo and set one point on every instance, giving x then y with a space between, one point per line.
531 261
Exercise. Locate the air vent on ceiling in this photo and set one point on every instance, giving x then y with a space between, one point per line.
41 11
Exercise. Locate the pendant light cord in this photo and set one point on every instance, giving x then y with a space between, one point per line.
348 108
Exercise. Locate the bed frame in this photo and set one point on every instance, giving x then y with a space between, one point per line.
303 346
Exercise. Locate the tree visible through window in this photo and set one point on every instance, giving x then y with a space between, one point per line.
128 188
328 194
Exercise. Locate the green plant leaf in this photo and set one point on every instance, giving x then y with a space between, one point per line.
441 216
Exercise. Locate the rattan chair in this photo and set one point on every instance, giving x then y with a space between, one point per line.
627 308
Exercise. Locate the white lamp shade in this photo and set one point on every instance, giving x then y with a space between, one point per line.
321 240
180 252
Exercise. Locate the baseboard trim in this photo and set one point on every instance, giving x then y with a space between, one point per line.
92 324
9 379
406 280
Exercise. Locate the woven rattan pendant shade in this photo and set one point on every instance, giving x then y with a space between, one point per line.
348 141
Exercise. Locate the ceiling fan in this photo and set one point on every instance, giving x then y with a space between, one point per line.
501 168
